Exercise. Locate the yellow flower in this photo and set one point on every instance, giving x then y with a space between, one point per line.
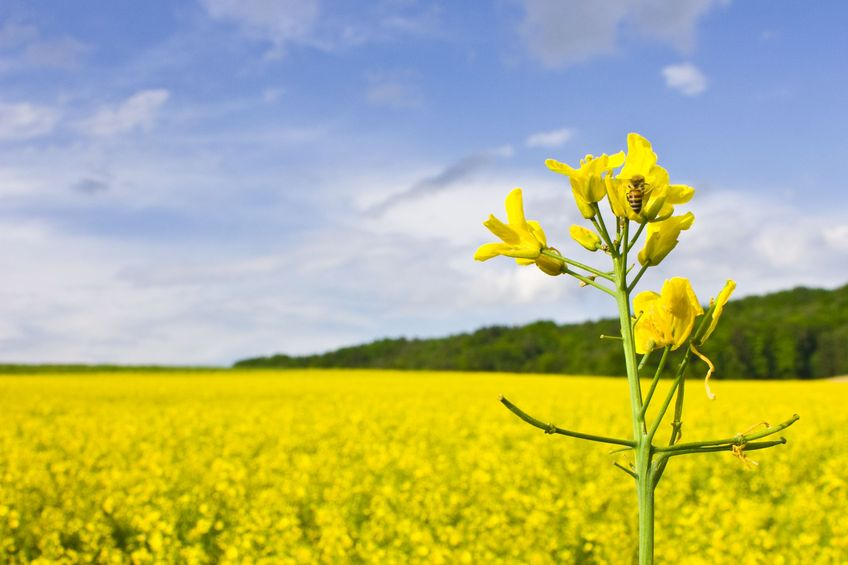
719 302
585 237
662 238
666 318
587 182
659 196
523 240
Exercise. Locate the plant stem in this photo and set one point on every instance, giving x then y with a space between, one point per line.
655 380
645 494
573 263
636 237
638 276
735 440
552 429
748 447
643 448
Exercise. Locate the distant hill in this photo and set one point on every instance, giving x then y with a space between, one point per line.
800 333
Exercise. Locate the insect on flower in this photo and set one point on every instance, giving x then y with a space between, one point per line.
637 190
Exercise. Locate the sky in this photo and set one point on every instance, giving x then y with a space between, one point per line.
200 181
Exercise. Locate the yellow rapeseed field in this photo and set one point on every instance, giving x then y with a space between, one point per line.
392 467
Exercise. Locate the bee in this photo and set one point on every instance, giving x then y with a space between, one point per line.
637 189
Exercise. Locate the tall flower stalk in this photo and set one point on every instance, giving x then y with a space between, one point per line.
671 322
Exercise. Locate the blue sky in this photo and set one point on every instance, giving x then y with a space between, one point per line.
198 182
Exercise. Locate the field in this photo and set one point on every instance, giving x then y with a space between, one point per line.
385 467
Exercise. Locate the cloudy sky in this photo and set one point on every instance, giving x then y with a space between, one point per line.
201 181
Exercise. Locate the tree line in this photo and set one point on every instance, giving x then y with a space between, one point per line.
795 334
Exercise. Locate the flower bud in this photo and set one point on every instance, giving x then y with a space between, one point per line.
550 265
585 237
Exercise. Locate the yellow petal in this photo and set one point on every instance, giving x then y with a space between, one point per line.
680 193
640 157
502 231
647 335
585 237
561 168
586 209
644 301
538 232
515 209
615 160
680 306
663 237
720 301
616 189
489 250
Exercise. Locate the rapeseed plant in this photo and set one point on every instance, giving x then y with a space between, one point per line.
641 195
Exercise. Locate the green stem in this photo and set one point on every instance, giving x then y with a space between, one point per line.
645 495
552 429
573 263
590 282
636 237
739 439
645 357
678 382
645 481
655 380
598 221
748 447
677 422
638 276
623 301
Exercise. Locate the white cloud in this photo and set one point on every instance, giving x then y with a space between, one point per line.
686 78
394 89
553 138
272 274
277 21
23 49
139 111
26 121
559 33
284 23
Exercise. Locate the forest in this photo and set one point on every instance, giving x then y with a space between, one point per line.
795 334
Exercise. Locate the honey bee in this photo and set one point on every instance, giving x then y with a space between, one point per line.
637 189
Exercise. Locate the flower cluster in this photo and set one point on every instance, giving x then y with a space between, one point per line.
640 192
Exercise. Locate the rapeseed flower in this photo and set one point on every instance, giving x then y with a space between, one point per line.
588 181
665 319
522 240
585 237
719 303
659 196
662 238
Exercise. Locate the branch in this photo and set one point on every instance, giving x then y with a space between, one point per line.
638 276
739 439
748 447
552 429
655 380
590 282
636 237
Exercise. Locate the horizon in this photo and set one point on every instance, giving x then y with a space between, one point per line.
206 181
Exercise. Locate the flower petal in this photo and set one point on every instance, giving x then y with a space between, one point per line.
502 231
561 168
720 301
680 193
489 250
585 237
515 209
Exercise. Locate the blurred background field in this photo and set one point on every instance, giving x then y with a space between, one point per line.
393 467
